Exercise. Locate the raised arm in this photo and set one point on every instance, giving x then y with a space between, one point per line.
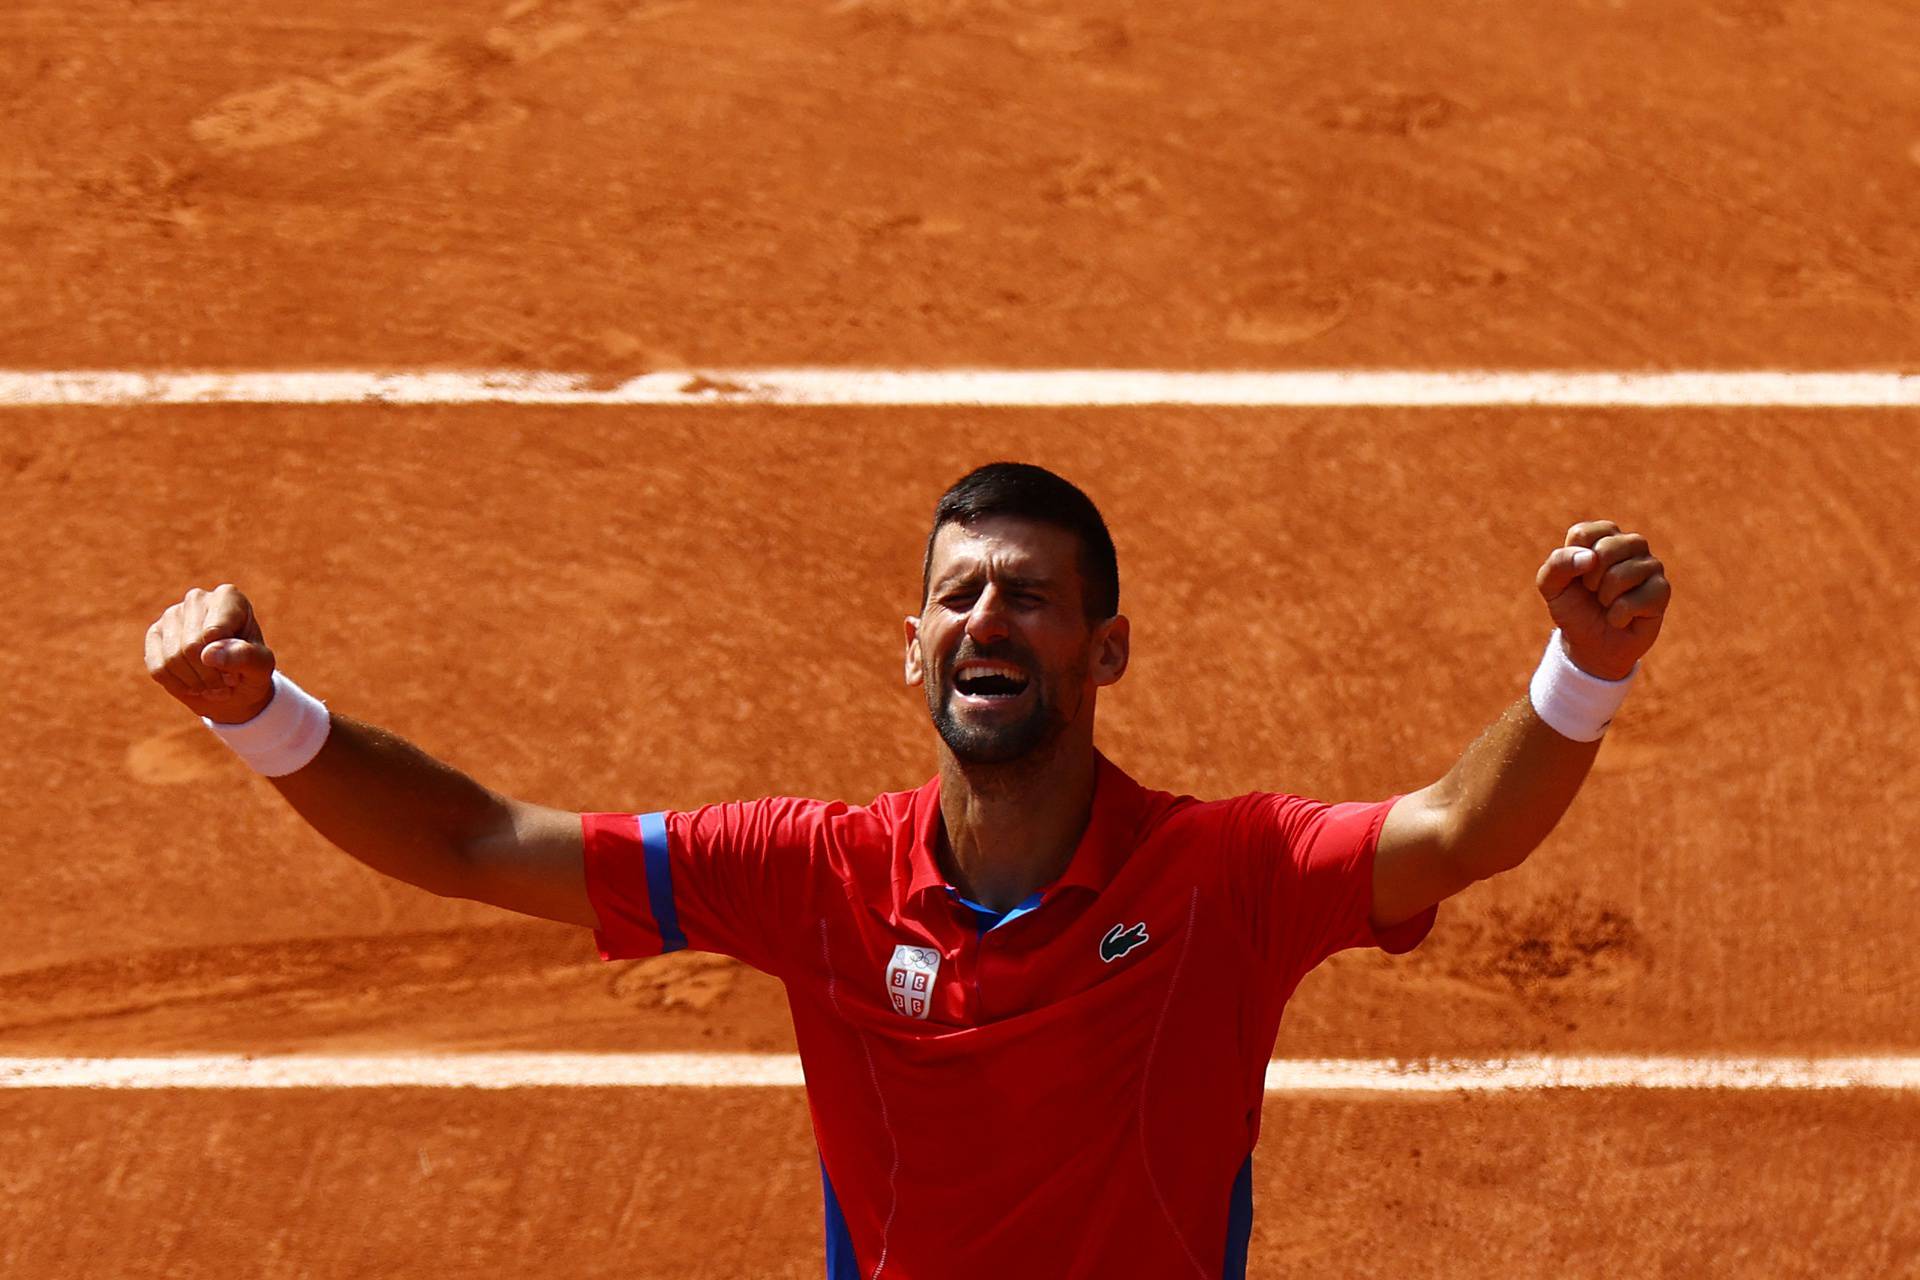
1607 595
370 792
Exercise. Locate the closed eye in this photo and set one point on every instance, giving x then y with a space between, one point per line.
965 596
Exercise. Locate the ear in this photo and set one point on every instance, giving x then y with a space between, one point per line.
915 669
1111 650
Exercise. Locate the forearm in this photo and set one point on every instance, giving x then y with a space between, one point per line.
1607 595
1509 789
394 807
375 795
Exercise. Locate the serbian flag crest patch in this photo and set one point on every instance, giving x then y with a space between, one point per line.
910 980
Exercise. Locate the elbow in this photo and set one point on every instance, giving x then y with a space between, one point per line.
1482 851
473 860
446 875
1497 859
442 863
459 873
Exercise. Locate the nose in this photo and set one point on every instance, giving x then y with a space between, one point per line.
987 620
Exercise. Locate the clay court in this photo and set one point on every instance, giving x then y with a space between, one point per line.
634 607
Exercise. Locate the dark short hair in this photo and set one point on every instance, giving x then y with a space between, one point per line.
1034 493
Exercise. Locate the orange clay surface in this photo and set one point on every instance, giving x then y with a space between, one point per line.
634 609
725 1184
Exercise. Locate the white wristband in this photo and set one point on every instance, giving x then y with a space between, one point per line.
1573 703
286 735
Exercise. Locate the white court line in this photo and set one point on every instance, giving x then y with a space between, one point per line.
761 1071
997 388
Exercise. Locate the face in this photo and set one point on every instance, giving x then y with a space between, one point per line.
1002 646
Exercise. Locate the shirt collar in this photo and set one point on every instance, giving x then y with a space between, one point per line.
1118 802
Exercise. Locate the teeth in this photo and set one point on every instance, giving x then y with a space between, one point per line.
973 670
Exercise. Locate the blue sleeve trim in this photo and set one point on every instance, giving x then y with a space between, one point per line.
653 841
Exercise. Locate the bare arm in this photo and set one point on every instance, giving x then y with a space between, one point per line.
410 816
1608 595
370 792
1493 808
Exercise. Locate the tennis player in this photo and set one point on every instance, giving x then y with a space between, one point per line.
1034 998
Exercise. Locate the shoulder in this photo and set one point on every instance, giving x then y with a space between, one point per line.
1140 815
794 820
1257 832
1229 817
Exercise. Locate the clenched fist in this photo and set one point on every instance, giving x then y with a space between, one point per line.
1608 595
207 651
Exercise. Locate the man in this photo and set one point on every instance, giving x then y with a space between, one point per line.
1034 999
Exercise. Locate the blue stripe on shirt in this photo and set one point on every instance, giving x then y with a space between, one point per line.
840 1260
1239 1223
653 841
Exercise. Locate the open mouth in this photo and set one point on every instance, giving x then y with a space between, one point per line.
989 682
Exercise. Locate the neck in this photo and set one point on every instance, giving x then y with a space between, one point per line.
1012 828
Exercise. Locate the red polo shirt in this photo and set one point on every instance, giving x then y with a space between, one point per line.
1073 1091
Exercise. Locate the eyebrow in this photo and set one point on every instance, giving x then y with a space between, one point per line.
1019 581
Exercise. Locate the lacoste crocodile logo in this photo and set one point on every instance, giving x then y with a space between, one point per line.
1122 939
